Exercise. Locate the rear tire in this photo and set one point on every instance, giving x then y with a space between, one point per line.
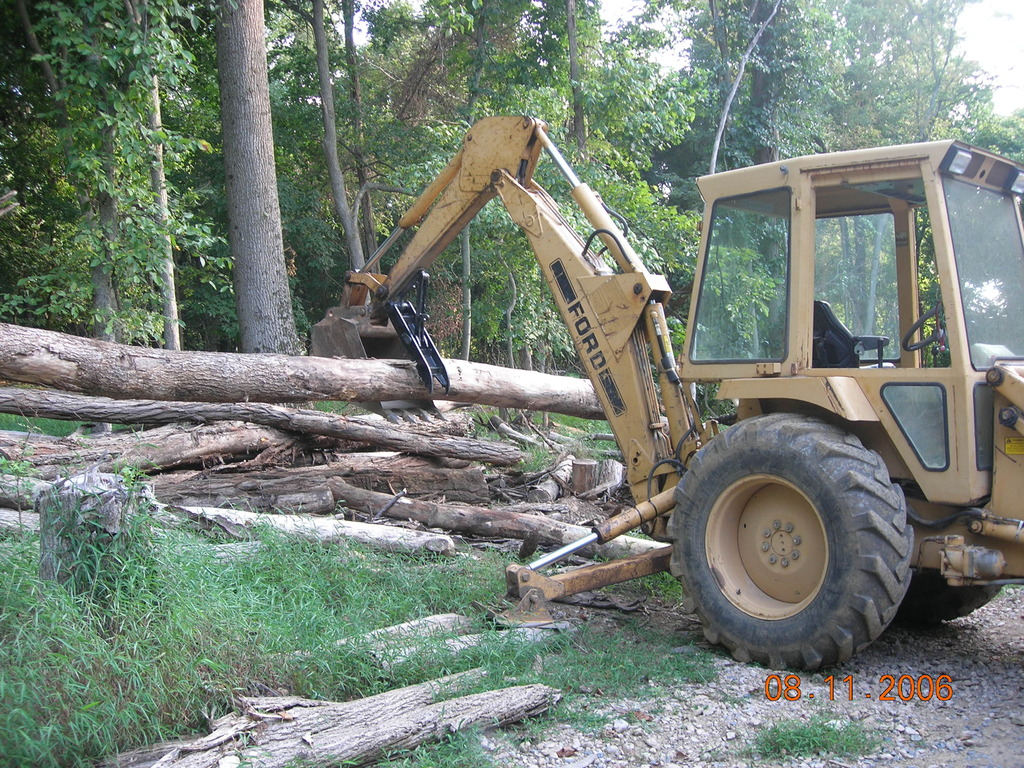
931 600
772 485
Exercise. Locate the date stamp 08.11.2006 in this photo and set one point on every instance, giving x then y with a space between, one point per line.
792 687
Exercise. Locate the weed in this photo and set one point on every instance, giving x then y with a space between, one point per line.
820 734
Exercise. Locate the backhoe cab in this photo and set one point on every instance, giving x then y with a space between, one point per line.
860 310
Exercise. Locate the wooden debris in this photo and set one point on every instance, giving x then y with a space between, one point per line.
276 489
610 476
325 529
272 732
20 492
18 520
584 475
487 523
554 483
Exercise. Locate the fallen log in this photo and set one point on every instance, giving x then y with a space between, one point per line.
271 489
77 364
18 520
63 405
149 450
273 732
20 492
325 530
483 522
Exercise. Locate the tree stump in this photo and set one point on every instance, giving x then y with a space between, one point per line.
81 522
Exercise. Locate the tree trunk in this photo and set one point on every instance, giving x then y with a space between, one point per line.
153 449
81 520
158 181
260 276
77 364
579 130
369 232
61 405
339 194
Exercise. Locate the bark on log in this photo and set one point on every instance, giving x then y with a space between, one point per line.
20 492
63 405
584 475
327 530
150 450
281 731
552 486
77 364
18 520
266 490
488 523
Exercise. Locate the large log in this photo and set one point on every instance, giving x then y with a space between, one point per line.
480 521
62 405
77 364
327 530
150 450
272 489
274 732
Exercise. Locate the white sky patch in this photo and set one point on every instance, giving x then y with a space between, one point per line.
993 32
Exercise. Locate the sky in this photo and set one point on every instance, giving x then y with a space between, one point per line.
993 36
993 33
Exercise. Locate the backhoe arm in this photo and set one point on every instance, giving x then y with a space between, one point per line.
614 308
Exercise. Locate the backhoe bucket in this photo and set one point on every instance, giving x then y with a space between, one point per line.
347 332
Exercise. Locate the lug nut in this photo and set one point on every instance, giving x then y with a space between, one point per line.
765 546
767 533
777 524
797 540
772 559
789 527
785 562
795 554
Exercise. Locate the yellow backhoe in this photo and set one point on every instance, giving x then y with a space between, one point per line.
858 308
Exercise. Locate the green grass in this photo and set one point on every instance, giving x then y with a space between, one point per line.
168 635
821 734
55 427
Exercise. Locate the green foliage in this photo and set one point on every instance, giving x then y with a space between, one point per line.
104 63
821 734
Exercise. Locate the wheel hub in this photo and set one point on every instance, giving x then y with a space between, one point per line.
767 545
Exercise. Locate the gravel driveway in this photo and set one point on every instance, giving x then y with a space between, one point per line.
980 725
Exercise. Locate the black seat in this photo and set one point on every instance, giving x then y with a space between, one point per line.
835 346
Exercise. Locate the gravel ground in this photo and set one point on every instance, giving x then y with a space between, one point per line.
702 725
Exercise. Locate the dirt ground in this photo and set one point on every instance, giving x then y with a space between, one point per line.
981 725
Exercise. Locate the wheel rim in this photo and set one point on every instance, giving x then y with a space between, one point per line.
766 546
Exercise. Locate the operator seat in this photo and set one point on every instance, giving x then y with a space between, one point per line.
835 346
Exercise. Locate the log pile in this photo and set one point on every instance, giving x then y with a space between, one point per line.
225 449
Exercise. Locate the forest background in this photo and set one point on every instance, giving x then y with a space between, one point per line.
112 137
